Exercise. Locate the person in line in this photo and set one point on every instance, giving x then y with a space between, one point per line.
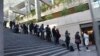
11 24
25 29
57 36
48 33
54 33
4 23
86 38
77 40
16 28
67 39
38 31
21 26
20 30
42 31
35 29
30 27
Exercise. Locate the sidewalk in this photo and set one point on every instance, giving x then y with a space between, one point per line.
83 52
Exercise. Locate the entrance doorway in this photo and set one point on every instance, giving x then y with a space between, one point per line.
89 29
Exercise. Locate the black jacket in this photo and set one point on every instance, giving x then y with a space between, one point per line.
48 30
77 39
54 32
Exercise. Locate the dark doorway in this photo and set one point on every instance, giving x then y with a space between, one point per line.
88 28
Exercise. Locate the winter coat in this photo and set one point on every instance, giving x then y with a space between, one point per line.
67 38
77 39
58 35
54 32
86 38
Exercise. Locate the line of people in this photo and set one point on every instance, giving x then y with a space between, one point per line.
46 33
77 40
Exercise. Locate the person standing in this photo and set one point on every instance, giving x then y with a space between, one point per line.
48 33
11 24
57 36
54 33
35 29
25 29
77 40
31 27
38 31
42 31
22 28
67 39
4 23
86 38
16 28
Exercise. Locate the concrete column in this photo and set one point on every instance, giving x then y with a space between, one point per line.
52 2
96 26
28 6
37 10
1 28
14 16
9 13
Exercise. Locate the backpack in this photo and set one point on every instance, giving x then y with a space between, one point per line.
71 48
63 45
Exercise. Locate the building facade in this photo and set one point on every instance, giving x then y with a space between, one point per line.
80 21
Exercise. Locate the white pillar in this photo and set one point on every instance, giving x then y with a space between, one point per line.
37 9
52 2
14 16
1 28
28 6
96 26
9 13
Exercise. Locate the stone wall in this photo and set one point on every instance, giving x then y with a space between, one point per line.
70 22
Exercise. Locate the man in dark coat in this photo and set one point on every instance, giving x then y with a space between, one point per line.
16 28
48 33
57 36
54 34
35 29
25 29
11 24
67 40
42 31
31 28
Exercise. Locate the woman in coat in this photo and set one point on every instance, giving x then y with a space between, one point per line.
77 40
57 36
86 38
